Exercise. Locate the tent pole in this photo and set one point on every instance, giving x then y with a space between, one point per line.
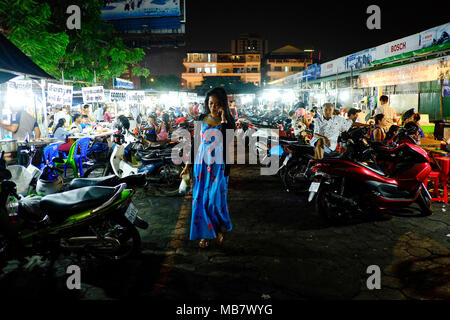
44 105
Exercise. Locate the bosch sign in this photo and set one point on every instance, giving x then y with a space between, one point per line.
398 46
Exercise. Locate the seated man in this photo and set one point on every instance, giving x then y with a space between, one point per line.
327 129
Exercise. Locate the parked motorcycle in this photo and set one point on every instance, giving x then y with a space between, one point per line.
355 184
95 220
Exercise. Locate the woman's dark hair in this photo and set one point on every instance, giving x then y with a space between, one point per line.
416 117
411 128
165 118
378 118
221 95
391 132
75 117
59 124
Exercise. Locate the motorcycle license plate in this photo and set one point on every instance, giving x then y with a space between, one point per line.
314 187
131 213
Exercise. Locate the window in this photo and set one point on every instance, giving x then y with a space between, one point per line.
207 70
286 69
191 70
199 70
209 57
277 68
214 70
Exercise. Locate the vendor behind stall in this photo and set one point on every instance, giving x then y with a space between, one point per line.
21 124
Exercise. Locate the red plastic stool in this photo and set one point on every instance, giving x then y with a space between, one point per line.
440 177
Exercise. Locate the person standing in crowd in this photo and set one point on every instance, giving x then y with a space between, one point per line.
51 120
98 114
210 214
387 110
352 114
85 111
59 114
233 110
106 115
378 134
77 123
22 124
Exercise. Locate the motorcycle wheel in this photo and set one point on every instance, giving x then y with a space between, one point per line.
97 170
424 203
170 178
325 209
289 180
123 231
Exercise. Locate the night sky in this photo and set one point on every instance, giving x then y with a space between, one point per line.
336 28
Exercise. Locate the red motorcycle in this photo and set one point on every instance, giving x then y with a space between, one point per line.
354 183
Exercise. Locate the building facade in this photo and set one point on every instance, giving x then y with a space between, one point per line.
200 65
249 43
284 62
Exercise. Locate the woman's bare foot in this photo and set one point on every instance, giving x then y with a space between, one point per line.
203 243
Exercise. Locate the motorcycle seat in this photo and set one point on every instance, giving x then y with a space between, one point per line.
132 181
75 201
59 206
89 182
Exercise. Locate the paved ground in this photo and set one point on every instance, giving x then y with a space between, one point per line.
278 248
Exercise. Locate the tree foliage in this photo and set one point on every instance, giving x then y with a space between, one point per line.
39 29
25 23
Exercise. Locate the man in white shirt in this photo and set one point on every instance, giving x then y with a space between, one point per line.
327 128
59 115
388 111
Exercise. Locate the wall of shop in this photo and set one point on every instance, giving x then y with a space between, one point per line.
430 99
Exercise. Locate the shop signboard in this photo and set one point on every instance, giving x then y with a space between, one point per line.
312 72
124 9
118 96
360 60
434 36
59 94
135 97
122 83
417 72
332 67
397 47
93 94
20 92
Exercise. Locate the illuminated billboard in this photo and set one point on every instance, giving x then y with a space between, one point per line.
126 9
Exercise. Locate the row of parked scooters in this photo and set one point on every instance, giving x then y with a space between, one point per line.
42 213
363 179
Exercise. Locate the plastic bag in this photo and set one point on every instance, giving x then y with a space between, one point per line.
185 184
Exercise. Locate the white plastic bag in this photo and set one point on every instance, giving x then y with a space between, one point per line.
185 184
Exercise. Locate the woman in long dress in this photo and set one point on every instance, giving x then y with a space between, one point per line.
210 215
